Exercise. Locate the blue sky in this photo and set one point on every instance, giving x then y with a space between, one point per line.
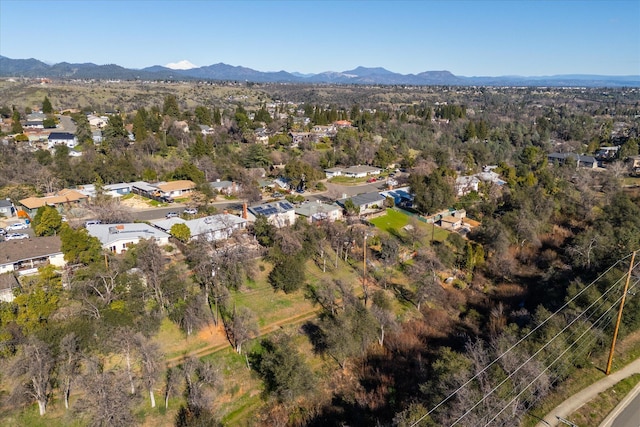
468 38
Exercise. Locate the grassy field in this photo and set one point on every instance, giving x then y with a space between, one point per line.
394 220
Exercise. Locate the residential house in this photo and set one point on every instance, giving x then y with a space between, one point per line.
61 138
401 196
262 136
635 164
331 172
206 130
32 124
118 238
299 137
211 228
279 214
113 190
8 282
7 209
318 211
581 161
466 184
365 202
342 124
98 122
225 187
96 136
360 171
175 188
453 221
25 256
62 199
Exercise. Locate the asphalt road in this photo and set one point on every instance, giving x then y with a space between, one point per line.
630 415
66 124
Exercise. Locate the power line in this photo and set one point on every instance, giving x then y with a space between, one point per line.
529 359
446 399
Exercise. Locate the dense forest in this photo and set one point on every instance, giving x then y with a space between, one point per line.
405 328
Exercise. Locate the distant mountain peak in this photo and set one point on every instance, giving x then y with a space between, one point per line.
181 65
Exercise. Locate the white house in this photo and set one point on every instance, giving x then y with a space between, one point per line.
118 237
212 228
466 184
279 214
61 138
318 211
24 256
360 171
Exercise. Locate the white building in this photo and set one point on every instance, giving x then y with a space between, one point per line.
118 237
279 214
212 228
61 138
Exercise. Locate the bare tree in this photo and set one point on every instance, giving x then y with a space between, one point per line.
150 260
150 358
35 367
242 328
68 364
125 340
105 401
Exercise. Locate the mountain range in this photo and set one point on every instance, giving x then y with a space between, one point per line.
360 75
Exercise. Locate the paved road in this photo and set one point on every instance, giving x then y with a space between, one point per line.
627 413
66 124
574 402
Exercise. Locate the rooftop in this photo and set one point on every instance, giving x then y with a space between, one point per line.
12 251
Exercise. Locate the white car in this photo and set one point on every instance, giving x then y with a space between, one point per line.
17 226
16 236
191 211
172 215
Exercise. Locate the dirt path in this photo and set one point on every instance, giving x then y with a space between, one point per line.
217 338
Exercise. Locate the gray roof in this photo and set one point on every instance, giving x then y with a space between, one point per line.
577 157
213 223
312 208
4 203
221 184
361 169
268 209
110 233
363 199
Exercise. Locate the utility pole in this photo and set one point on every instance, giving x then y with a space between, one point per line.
624 296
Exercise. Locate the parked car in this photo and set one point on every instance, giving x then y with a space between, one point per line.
17 226
172 215
191 211
3 231
16 236
300 191
370 180
92 222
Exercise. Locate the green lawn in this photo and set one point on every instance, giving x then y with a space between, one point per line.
394 220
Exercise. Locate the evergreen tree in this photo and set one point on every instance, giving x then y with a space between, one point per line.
46 106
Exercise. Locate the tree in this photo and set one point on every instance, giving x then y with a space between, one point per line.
242 328
181 232
170 107
150 260
150 364
283 369
16 126
47 221
35 366
105 401
78 246
288 274
49 123
69 358
202 380
46 106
